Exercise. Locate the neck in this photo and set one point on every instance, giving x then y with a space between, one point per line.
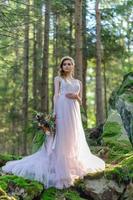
69 76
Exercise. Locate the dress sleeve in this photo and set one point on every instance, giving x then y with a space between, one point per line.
56 92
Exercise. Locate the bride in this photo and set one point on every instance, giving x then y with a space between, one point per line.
66 157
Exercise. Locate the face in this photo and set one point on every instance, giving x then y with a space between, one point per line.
67 66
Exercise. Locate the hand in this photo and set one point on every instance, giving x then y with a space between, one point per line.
72 95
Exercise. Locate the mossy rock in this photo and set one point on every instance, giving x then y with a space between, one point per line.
121 100
126 86
111 129
116 139
123 171
127 97
20 187
6 157
118 150
54 194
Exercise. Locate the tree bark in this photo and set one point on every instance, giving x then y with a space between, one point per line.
70 35
25 78
78 39
34 85
105 89
99 95
56 50
44 85
84 60
37 55
39 39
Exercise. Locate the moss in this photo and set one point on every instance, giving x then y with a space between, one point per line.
128 96
73 195
54 194
49 194
31 188
111 129
118 149
6 157
3 185
123 171
119 154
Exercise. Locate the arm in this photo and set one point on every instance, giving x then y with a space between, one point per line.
79 97
56 92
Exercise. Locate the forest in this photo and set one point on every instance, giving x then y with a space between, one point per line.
98 34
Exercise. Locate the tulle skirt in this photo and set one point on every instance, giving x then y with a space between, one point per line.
61 159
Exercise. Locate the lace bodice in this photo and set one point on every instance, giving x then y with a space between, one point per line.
67 86
62 86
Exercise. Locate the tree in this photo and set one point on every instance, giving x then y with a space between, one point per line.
44 85
37 54
78 39
25 78
99 95
84 62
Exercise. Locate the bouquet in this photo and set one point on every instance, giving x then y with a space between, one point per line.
47 123
45 126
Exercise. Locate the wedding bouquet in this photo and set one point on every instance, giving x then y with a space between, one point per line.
46 123
44 126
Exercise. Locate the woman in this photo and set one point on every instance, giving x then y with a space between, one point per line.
65 157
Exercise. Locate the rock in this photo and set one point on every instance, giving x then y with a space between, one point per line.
121 101
103 189
118 128
128 194
96 187
114 120
115 138
20 188
122 172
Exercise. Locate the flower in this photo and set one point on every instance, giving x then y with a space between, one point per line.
46 123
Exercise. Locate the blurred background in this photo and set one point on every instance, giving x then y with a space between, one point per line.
35 35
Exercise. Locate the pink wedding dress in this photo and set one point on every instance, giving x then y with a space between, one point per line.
66 157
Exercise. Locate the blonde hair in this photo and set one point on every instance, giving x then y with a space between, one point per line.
61 72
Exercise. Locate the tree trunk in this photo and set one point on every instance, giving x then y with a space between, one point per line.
84 60
56 22
39 39
37 55
16 121
34 85
25 78
70 35
99 95
44 86
78 39
105 89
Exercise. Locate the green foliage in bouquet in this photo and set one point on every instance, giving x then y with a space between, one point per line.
38 140
44 125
